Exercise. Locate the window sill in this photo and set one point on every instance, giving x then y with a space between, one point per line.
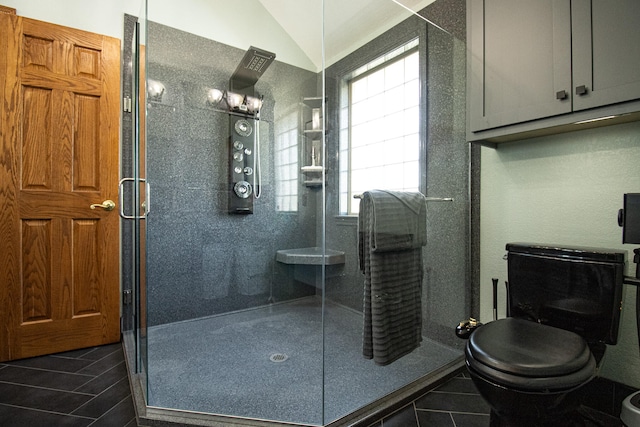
346 220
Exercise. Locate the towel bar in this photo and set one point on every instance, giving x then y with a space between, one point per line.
428 199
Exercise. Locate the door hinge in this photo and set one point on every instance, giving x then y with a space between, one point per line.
126 104
127 297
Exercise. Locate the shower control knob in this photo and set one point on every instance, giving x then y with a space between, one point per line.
247 151
237 169
238 157
248 170
238 145
242 189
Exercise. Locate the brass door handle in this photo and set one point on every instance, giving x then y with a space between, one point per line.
107 205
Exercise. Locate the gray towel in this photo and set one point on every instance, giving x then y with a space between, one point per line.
392 230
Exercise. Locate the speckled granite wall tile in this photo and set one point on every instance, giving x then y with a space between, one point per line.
202 260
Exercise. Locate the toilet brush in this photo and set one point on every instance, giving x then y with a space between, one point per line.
495 298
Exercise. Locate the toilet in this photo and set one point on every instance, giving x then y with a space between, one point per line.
563 308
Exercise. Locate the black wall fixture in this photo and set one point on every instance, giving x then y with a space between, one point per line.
244 150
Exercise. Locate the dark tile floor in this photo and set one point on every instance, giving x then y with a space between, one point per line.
457 403
90 388
74 389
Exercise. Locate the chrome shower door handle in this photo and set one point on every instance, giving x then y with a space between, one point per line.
145 204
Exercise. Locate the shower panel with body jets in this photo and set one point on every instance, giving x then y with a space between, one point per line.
244 104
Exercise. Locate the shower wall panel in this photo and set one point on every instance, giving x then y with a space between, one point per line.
201 260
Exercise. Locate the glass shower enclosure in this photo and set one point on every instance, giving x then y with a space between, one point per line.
248 280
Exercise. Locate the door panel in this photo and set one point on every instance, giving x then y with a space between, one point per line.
519 59
59 155
606 52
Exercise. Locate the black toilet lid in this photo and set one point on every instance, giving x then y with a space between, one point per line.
529 349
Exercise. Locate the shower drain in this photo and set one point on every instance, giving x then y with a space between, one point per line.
278 357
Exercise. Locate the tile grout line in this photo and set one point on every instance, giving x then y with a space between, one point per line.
459 393
451 412
96 396
46 388
415 412
99 360
128 397
453 420
48 412
93 377
80 357
47 370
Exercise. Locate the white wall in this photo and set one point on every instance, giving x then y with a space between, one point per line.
563 189
219 20
230 23
98 16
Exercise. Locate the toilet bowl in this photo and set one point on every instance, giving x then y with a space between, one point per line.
528 372
563 308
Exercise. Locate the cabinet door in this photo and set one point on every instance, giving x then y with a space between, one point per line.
606 52
519 61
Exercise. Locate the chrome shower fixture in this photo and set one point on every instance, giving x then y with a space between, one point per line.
155 90
254 63
241 97
234 102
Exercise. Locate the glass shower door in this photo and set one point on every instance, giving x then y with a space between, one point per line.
134 199
395 108
234 318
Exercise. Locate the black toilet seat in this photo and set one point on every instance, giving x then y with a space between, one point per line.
529 356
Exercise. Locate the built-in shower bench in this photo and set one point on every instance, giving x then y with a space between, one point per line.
307 263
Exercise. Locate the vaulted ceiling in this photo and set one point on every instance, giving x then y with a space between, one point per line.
348 24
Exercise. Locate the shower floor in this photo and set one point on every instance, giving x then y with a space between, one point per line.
233 364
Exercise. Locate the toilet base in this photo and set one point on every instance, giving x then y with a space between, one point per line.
513 408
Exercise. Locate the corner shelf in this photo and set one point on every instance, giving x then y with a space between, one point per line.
312 127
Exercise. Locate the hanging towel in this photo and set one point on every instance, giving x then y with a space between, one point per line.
391 233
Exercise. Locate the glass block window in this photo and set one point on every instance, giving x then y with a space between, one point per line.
379 127
286 165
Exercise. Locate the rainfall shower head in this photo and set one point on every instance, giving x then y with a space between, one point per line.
253 65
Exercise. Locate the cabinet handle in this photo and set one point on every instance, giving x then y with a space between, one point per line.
581 90
562 94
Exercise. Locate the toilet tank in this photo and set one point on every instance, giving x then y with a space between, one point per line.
570 287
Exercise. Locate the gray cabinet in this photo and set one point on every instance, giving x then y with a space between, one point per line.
606 54
536 67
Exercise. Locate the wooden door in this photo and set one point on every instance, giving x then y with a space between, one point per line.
59 128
